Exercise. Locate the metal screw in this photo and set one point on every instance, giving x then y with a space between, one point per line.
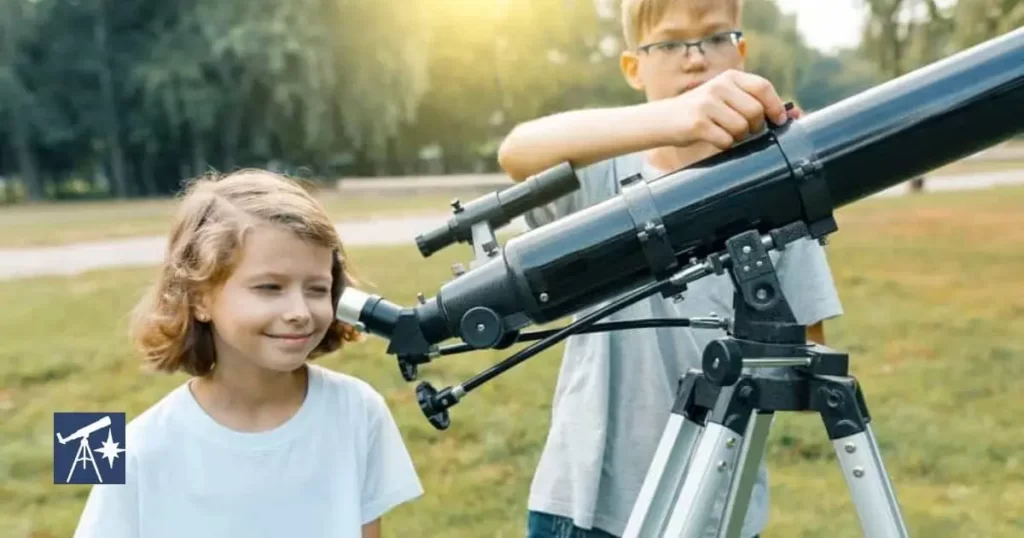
731 442
858 472
759 263
746 249
762 294
544 297
480 327
722 465
715 363
850 448
746 268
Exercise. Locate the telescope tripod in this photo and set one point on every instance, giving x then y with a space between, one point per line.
715 437
85 456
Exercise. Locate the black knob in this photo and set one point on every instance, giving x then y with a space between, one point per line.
723 361
407 367
481 328
434 405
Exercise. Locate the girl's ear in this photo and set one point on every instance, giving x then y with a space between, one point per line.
201 308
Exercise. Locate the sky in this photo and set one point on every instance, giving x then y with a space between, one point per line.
827 24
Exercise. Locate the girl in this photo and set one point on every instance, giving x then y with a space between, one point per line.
257 442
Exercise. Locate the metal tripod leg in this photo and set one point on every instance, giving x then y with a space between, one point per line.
668 467
661 486
710 471
848 424
745 475
873 495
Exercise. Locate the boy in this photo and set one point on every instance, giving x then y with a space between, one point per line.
615 390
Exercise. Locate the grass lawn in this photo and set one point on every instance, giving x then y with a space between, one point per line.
29 225
934 297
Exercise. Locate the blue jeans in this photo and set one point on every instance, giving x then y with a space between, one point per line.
541 525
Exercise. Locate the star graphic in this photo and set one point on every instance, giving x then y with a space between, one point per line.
110 449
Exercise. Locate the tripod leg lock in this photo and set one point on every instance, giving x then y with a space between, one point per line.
841 405
735 405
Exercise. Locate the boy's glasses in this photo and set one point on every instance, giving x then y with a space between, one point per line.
712 47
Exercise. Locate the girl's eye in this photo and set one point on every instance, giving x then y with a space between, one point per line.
321 289
268 287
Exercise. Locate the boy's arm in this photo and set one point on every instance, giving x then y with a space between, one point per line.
582 137
722 111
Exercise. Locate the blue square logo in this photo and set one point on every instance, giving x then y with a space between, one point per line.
88 448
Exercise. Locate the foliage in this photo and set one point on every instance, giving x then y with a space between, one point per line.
130 98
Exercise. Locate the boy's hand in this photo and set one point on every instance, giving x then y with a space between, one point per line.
725 110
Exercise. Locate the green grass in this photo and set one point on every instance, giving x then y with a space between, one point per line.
976 167
934 297
32 225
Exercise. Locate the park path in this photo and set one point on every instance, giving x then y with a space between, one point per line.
75 258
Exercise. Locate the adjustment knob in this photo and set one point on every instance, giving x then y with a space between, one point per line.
481 328
723 361
408 368
434 407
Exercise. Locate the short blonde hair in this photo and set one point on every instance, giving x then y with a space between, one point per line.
204 246
639 16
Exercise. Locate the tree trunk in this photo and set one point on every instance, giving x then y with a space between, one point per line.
28 170
21 129
148 182
112 122
198 155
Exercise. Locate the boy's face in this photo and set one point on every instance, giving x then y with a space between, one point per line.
663 70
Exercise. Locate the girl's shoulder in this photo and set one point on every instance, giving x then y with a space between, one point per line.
154 427
350 392
344 385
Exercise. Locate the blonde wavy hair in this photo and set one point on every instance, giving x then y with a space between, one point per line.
203 249
639 16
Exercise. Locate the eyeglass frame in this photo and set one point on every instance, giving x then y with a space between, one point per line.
736 36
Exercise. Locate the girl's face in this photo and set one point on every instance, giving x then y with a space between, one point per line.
276 306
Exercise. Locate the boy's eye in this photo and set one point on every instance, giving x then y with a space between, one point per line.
320 289
719 39
268 287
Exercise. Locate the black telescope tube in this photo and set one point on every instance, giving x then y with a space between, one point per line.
797 173
499 208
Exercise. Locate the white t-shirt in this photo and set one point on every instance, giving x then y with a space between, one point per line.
338 463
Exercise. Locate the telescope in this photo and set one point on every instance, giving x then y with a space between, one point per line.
724 214
85 431
657 236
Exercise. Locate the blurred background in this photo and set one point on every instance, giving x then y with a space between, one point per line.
392 107
104 99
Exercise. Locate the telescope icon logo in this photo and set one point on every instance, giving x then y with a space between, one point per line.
74 459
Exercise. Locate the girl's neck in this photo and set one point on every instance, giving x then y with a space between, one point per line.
247 398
